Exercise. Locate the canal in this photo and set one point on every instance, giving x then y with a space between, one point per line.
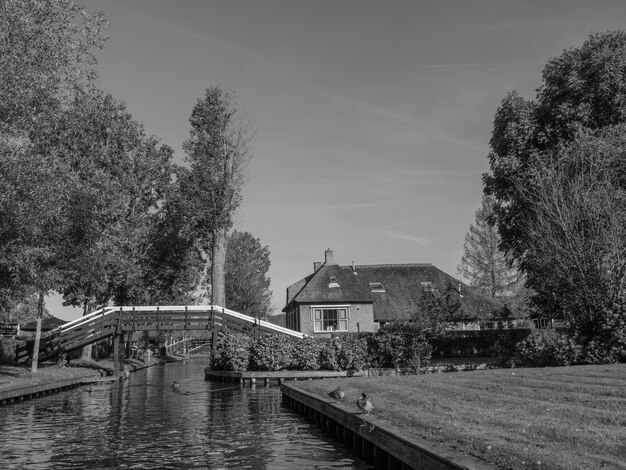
147 422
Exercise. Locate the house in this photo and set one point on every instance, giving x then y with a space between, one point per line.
360 298
28 330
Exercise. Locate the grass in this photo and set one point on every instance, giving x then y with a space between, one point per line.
12 377
548 418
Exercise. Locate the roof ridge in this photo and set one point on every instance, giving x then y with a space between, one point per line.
401 265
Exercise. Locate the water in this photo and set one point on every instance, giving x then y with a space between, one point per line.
147 423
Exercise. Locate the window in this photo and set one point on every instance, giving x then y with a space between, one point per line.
377 287
428 286
541 322
330 319
333 282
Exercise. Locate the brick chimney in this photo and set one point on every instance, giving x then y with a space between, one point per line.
328 254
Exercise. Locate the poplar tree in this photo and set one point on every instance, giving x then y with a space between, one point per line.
218 151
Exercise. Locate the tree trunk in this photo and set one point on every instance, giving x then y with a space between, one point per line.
86 352
35 362
217 268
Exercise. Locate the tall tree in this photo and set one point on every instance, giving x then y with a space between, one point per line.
46 56
483 264
47 52
577 240
583 95
218 151
247 284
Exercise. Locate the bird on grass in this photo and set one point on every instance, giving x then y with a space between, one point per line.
337 394
364 404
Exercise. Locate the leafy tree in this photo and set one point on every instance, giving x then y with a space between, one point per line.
46 56
174 266
218 151
30 224
247 285
47 52
578 235
413 336
483 264
582 97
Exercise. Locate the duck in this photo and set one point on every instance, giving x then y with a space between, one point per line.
365 404
337 394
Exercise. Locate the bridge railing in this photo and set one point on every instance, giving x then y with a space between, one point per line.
108 321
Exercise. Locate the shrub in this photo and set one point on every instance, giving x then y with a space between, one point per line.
384 350
351 353
328 355
271 352
306 354
232 352
7 350
548 348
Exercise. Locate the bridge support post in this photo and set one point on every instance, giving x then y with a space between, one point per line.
118 365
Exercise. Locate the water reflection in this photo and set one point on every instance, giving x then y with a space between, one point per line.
149 423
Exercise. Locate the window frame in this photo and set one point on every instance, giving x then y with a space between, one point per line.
321 322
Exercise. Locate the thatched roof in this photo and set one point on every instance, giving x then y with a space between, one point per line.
394 289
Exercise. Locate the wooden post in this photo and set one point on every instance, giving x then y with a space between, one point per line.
116 356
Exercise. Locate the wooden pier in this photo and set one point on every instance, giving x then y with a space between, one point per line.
268 378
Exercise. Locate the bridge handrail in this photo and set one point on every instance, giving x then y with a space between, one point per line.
105 311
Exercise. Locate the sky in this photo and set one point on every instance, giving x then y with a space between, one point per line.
372 118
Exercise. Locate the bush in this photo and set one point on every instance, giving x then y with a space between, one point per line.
271 352
548 348
232 352
7 350
385 350
352 353
306 354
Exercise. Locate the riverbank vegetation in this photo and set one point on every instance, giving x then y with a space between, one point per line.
558 418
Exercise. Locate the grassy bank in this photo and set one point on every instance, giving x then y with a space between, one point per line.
557 418
12 377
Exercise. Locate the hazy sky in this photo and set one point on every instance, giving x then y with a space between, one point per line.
373 118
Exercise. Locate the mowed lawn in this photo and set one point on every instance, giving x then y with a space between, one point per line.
556 418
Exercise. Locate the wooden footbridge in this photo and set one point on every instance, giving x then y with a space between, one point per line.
118 322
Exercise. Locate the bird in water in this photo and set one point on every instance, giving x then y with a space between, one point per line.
365 404
89 390
187 393
337 394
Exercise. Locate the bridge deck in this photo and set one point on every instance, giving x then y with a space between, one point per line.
109 321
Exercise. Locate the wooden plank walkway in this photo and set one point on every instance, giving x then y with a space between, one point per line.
118 321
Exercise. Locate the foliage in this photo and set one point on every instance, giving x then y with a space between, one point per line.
271 352
7 350
609 340
46 54
479 342
307 354
218 151
385 349
416 333
247 284
232 352
558 177
548 348
483 264
351 352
